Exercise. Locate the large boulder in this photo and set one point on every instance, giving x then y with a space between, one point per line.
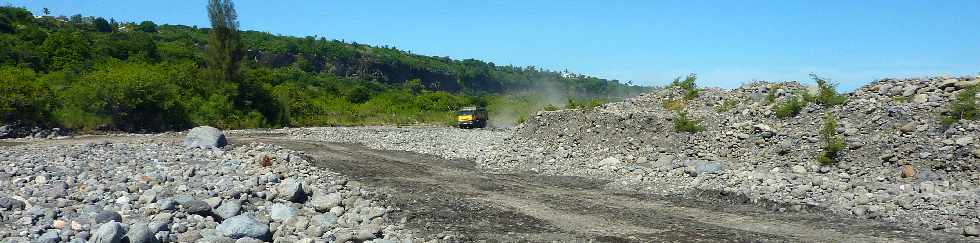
205 137
292 190
242 226
109 232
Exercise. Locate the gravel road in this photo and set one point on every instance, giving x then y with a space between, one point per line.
452 199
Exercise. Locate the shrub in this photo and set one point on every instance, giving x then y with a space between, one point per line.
789 108
126 96
684 124
827 95
23 98
592 103
727 105
771 93
675 104
688 85
550 107
833 144
963 107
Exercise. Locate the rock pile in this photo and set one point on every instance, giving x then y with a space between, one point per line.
900 163
154 189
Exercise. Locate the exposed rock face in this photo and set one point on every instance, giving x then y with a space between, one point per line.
205 137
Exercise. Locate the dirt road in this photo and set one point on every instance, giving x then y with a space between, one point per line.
450 197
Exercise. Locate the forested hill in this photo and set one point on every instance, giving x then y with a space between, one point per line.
92 73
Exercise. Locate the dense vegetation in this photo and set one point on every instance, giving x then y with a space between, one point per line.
91 73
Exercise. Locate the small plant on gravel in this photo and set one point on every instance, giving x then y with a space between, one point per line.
550 107
675 104
789 108
964 107
771 92
833 144
688 85
827 95
684 124
726 106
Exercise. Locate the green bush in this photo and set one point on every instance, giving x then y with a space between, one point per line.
827 95
789 108
684 124
771 93
727 105
124 96
687 85
964 107
23 98
550 107
833 144
592 103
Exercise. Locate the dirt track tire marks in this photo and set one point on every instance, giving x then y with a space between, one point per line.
450 197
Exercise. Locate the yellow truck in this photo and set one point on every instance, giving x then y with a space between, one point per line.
472 117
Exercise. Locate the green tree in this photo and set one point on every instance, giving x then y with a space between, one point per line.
827 95
225 50
963 107
102 25
23 98
147 26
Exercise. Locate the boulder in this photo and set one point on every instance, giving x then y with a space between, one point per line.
292 190
281 212
139 233
324 202
199 207
242 226
205 137
702 167
11 203
228 209
971 231
111 232
106 216
51 236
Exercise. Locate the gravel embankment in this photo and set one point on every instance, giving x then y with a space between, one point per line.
154 189
900 164
447 142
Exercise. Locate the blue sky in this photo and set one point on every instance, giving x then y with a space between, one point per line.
649 42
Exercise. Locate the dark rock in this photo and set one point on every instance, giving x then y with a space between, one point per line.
139 233
105 216
198 207
111 232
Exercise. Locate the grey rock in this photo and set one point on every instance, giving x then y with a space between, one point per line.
198 207
971 231
51 236
292 190
702 167
324 202
105 216
323 220
242 226
281 212
11 203
798 169
229 208
140 233
367 232
205 137
111 232
166 204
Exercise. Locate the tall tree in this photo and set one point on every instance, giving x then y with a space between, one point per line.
225 49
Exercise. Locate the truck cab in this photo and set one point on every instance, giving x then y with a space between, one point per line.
472 117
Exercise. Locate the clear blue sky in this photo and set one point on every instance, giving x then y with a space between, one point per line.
649 42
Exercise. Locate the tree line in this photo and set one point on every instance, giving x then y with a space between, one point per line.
89 73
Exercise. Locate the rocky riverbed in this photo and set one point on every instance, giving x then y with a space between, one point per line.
153 188
901 167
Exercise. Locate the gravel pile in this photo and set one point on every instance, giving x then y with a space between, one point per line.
447 142
900 164
156 189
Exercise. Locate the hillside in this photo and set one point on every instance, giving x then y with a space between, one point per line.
90 73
